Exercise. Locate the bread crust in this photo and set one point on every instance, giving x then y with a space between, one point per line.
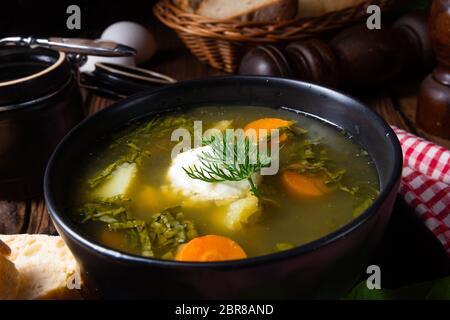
44 265
4 249
187 5
315 8
9 279
277 10
335 5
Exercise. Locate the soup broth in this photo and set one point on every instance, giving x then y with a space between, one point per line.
130 196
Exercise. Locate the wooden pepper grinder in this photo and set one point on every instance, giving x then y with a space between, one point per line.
355 58
361 58
433 112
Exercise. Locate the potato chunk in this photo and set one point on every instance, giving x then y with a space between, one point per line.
118 183
242 212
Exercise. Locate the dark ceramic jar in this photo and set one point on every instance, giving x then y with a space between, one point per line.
40 102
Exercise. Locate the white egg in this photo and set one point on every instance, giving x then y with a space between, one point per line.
133 35
198 190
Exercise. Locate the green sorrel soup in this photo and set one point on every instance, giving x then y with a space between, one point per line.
132 195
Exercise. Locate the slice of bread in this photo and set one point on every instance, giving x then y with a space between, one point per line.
263 10
335 5
9 276
244 10
315 8
46 267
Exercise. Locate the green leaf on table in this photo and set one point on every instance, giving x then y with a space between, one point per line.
432 290
440 290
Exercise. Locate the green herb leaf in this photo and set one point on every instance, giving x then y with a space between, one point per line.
433 290
169 229
135 155
136 139
104 209
164 233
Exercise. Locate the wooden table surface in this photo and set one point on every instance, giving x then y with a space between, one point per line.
395 102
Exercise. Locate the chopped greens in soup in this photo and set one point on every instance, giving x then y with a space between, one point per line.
133 195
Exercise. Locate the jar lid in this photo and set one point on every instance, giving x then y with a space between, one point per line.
29 74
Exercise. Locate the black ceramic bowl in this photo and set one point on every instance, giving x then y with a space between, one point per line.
326 268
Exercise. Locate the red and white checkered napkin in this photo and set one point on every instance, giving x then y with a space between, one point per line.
426 183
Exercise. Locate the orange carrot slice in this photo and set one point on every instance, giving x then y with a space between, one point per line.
210 248
302 186
268 124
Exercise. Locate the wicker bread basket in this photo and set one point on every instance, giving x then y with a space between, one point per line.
222 43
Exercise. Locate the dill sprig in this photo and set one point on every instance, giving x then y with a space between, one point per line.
230 159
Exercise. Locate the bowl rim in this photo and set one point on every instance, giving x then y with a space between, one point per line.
61 220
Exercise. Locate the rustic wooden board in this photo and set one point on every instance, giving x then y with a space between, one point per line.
385 107
13 217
